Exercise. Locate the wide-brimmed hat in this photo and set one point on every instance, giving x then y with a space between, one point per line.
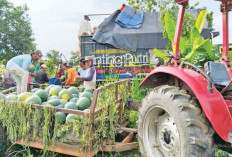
43 66
88 58
38 53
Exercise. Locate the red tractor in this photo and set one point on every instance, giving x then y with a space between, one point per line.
189 110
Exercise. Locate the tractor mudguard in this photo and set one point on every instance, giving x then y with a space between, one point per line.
213 105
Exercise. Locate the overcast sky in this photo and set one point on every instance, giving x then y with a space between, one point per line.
55 22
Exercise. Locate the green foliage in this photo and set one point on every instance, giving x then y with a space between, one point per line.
51 63
221 153
192 45
201 20
152 5
16 33
75 58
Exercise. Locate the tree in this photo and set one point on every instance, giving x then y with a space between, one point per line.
53 62
15 31
75 58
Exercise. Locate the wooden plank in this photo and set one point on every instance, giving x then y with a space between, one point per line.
58 147
120 147
128 138
98 111
120 129
58 109
8 90
118 101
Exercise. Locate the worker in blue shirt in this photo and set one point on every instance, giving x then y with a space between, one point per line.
18 68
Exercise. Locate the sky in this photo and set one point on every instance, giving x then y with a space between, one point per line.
55 22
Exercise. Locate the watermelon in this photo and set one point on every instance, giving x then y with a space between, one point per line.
72 117
87 95
34 90
55 90
42 94
31 68
75 96
65 94
35 99
63 102
2 96
89 90
71 106
61 106
54 102
73 100
12 97
62 78
83 103
61 117
74 90
77 81
53 97
49 88
24 96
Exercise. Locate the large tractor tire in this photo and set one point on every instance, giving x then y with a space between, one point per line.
3 142
172 124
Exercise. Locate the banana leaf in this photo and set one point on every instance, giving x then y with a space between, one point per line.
201 20
170 25
204 47
161 54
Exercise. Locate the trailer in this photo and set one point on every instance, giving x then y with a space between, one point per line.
105 111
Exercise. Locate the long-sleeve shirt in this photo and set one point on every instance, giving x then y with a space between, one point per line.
84 28
89 74
23 61
41 77
72 73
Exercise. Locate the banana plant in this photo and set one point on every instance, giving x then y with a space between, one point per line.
194 48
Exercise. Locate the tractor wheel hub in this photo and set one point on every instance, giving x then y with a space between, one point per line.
168 134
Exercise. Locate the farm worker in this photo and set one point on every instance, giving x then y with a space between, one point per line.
61 71
85 29
8 80
90 78
41 76
37 68
18 68
83 69
72 73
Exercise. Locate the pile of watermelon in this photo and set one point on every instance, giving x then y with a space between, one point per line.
56 96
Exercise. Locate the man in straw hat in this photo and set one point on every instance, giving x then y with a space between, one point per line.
18 68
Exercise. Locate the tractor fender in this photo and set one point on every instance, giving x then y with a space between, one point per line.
213 104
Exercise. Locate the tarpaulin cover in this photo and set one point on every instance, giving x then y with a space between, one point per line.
130 18
148 36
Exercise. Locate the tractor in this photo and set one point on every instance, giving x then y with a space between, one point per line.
188 113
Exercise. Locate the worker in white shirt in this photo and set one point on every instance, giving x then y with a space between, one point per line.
85 29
